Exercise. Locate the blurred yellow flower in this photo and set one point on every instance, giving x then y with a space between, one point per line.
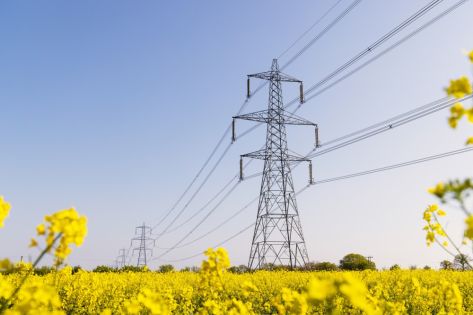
4 210
33 243
65 226
459 87
41 229
469 227
321 289
439 190
470 56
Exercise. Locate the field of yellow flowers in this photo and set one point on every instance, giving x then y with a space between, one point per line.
215 291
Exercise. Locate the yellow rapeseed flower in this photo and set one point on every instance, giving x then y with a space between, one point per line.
459 87
439 190
65 226
41 229
321 289
4 210
470 56
469 140
469 227
33 243
457 109
469 114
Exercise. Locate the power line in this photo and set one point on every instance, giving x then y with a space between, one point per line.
378 43
308 98
216 245
395 166
236 177
197 191
200 222
310 28
366 132
203 207
322 33
390 48
357 57
398 43
390 126
326 29
348 176
219 225
382 126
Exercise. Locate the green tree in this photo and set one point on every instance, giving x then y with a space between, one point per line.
356 262
239 269
395 267
320 266
166 268
446 265
461 262
43 270
103 268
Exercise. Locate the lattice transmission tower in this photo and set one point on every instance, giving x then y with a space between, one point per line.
120 261
278 237
144 249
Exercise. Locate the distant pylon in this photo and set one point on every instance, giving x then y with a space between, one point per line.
277 237
120 262
143 233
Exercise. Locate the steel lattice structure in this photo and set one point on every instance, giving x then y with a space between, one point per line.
278 237
120 262
144 241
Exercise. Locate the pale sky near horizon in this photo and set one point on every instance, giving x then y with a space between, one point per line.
113 106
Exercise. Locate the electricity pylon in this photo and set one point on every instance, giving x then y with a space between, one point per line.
277 237
145 241
120 262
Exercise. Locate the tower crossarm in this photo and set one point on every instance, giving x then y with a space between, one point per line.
264 155
284 118
274 75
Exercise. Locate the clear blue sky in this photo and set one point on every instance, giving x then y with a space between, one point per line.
112 107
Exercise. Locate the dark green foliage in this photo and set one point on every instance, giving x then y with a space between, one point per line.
166 268
132 269
356 262
320 266
44 270
462 262
76 269
239 269
446 265
104 269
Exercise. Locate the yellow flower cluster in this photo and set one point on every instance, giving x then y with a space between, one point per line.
433 227
214 268
459 87
439 190
328 292
65 226
4 210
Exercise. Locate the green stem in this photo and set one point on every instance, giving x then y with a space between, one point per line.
23 280
451 241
